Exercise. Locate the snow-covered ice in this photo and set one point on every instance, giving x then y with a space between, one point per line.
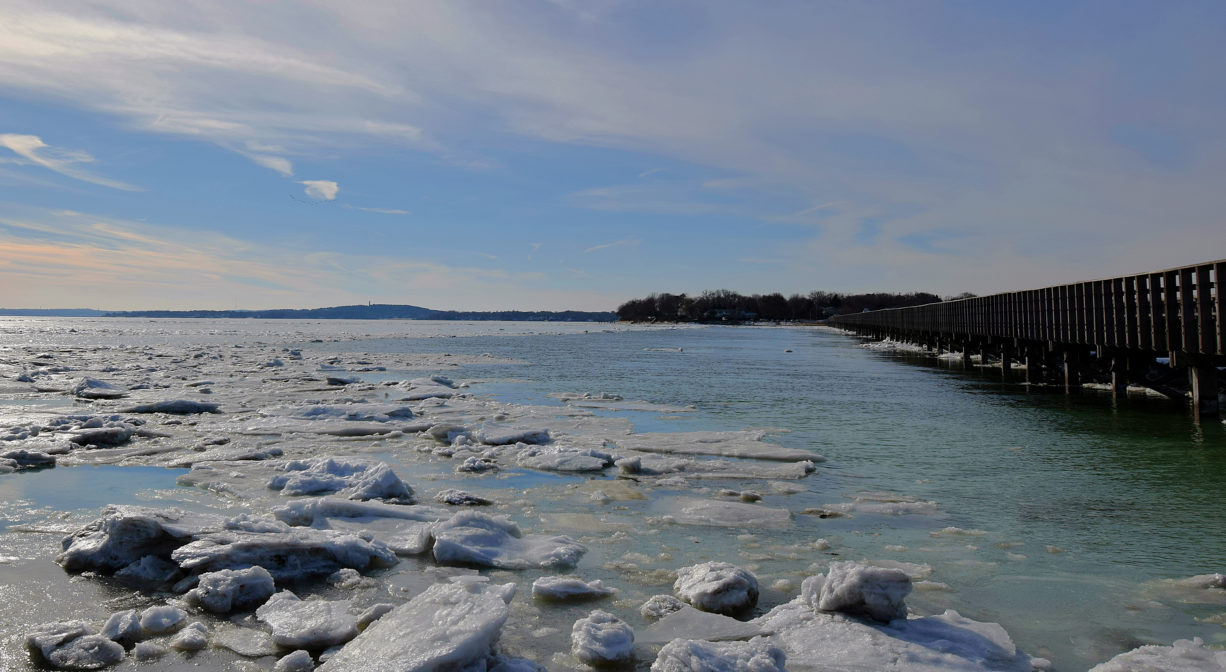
689 655
563 588
451 626
862 590
717 587
471 538
308 624
1183 656
226 590
602 639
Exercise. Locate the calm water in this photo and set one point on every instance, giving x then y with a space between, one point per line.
1080 506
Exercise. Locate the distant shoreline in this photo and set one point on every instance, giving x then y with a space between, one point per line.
358 312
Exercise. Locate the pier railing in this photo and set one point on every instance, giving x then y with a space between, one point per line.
1176 313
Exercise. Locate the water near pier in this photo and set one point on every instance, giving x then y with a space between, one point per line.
1068 520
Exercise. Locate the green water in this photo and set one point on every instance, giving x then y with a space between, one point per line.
1081 506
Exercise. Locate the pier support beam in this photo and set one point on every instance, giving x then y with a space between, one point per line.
1006 359
1072 370
1203 379
1119 377
1034 364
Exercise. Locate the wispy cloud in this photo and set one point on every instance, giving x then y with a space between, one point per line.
629 242
278 163
321 190
382 211
34 150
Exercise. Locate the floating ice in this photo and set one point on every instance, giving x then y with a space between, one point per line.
123 627
499 435
126 534
150 570
147 651
193 637
307 624
298 661
70 646
471 538
175 407
448 627
456 497
688 655
556 458
28 459
226 590
689 623
659 606
717 587
561 588
292 554
1183 656
744 444
602 639
695 511
90 388
352 478
861 590
162 619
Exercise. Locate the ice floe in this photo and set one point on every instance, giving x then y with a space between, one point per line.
471 538
1183 656
718 587
688 655
307 624
602 639
452 626
226 590
566 588
352 478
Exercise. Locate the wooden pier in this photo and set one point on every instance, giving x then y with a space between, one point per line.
1163 330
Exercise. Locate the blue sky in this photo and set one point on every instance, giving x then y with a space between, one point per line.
575 154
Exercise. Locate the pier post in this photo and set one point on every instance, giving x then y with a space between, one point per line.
1072 370
1006 359
1034 364
1119 377
966 355
1203 379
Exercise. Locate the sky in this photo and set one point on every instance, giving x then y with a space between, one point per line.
574 154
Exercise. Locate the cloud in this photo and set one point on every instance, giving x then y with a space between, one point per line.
33 149
383 211
277 163
631 242
321 190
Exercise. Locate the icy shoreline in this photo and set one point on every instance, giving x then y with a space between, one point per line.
302 468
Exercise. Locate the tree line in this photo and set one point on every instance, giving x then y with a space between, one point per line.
723 305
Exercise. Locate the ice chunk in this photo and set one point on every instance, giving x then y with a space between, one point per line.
373 613
348 412
28 459
456 497
500 435
659 606
717 587
688 655
602 639
689 623
352 478
696 511
744 444
175 407
90 388
345 578
104 436
307 624
562 588
476 465
298 661
1183 656
126 534
91 652
307 512
450 626
123 627
945 642
472 538
225 590
244 641
558 458
150 570
293 554
861 590
147 651
193 637
162 619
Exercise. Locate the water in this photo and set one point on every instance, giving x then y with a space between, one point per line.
1074 509
1084 503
